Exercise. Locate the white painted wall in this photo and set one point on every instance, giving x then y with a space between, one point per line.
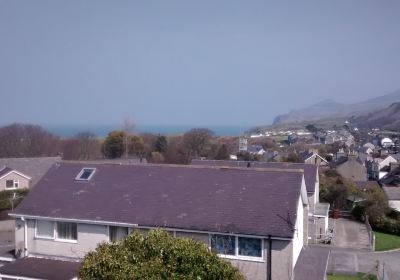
395 204
298 239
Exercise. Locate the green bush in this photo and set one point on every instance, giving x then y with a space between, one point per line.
7 201
387 225
358 213
156 255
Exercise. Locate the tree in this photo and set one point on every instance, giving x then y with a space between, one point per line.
156 255
113 146
161 144
136 145
127 128
195 140
222 153
26 140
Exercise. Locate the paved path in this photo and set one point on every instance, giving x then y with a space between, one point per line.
350 261
7 237
350 234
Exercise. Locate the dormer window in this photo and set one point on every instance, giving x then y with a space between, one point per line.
85 174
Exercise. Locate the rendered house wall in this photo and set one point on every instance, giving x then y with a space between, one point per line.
23 182
90 235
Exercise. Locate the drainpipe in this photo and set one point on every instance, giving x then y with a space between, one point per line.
25 236
269 259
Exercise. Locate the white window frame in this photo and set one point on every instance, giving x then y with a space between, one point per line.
45 237
78 177
237 256
15 185
62 239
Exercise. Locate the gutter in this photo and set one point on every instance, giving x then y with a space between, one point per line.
269 259
25 236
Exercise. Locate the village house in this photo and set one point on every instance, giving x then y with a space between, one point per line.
255 218
34 167
318 212
11 179
391 186
351 167
312 157
380 167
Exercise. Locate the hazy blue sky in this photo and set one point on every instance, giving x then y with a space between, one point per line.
191 62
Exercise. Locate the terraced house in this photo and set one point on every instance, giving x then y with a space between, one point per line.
255 218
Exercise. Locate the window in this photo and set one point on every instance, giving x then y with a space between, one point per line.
251 247
67 231
85 174
12 184
9 184
117 233
223 244
45 229
237 246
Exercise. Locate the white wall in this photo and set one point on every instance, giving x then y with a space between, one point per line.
298 239
395 204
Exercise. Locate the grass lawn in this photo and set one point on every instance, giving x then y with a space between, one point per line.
359 276
384 241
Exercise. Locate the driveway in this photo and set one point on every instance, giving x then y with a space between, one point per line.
350 234
7 238
350 261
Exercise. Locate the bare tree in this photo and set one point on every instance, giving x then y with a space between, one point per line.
195 141
127 127
26 140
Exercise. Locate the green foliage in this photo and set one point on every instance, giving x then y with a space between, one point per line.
7 200
246 156
222 153
136 145
359 276
161 144
156 255
375 204
384 241
386 225
156 157
293 157
335 189
113 146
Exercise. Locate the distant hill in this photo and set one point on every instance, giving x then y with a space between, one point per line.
331 109
387 118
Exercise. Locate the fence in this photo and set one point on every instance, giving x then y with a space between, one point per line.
371 234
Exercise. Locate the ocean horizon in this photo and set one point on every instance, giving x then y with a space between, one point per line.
103 130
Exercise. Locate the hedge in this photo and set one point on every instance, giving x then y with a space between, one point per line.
6 197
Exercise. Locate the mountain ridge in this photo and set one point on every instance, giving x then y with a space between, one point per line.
329 108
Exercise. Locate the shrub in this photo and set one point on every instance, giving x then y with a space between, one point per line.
156 255
387 225
9 200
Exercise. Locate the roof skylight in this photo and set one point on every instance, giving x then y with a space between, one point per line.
85 174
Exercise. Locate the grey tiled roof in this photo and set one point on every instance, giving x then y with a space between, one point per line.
32 167
4 170
392 193
310 170
234 200
40 268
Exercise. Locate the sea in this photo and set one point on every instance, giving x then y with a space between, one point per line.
66 131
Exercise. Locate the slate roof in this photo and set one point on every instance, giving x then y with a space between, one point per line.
392 193
4 170
310 170
32 167
40 268
312 263
232 200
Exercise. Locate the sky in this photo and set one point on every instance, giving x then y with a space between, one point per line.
191 62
